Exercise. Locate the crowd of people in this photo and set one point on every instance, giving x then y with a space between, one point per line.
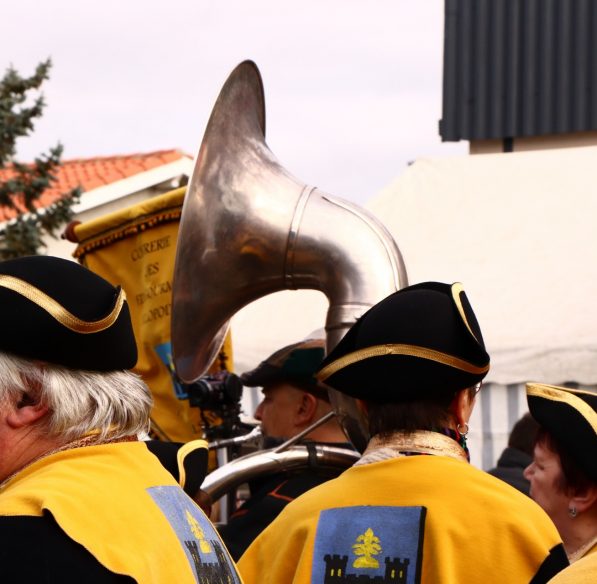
83 499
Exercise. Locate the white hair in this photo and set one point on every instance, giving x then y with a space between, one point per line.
115 403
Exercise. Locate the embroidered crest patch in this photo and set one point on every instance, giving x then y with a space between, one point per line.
201 543
380 545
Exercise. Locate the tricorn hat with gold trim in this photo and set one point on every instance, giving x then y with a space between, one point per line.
570 416
56 311
419 342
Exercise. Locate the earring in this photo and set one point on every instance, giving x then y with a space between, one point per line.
572 511
462 431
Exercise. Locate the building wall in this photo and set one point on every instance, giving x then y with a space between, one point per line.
522 144
519 68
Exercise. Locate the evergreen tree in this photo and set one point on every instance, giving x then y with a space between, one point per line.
22 224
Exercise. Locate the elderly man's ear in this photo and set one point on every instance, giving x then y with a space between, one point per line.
307 409
26 412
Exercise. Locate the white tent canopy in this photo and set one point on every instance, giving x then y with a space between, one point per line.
270 323
519 230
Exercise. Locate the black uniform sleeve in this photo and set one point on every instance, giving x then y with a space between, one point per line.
35 549
555 562
186 462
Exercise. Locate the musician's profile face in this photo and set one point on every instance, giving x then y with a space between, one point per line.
278 410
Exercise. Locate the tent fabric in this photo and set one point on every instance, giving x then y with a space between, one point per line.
518 230
274 321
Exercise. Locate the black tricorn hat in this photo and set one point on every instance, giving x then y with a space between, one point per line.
570 416
420 342
57 311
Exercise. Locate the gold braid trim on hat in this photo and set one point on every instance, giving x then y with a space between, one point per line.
55 309
457 288
566 396
399 349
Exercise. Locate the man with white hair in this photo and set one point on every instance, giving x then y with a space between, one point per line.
81 499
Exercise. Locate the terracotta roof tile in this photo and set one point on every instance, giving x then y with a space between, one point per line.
91 173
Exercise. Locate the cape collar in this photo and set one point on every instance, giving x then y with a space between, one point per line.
404 443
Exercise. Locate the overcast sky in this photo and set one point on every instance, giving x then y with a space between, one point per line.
352 88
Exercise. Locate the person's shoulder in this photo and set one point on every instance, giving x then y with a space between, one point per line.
35 549
298 483
306 503
501 489
512 503
583 571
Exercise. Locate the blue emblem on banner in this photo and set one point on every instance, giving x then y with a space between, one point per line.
201 543
381 545
164 352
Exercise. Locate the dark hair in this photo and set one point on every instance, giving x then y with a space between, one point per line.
572 478
523 434
427 414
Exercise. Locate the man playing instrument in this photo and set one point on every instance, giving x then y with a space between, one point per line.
292 402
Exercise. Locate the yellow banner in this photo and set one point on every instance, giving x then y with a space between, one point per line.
135 248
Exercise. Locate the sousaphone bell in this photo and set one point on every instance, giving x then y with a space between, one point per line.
249 228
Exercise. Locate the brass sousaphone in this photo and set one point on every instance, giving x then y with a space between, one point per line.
249 228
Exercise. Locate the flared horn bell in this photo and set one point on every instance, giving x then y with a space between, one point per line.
249 228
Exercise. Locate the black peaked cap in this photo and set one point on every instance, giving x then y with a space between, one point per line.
295 364
57 311
422 341
570 416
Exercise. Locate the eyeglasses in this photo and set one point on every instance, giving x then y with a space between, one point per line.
477 388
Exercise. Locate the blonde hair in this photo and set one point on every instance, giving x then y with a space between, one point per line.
79 402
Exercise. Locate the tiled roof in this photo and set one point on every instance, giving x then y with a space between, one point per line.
91 173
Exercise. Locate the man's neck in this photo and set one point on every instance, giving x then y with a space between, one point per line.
327 434
24 448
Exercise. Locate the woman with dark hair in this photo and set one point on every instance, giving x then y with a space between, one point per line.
563 473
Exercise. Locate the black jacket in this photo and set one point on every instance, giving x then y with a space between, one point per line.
269 495
510 467
49 556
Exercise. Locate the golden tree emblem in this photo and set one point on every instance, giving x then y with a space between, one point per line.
367 545
198 533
